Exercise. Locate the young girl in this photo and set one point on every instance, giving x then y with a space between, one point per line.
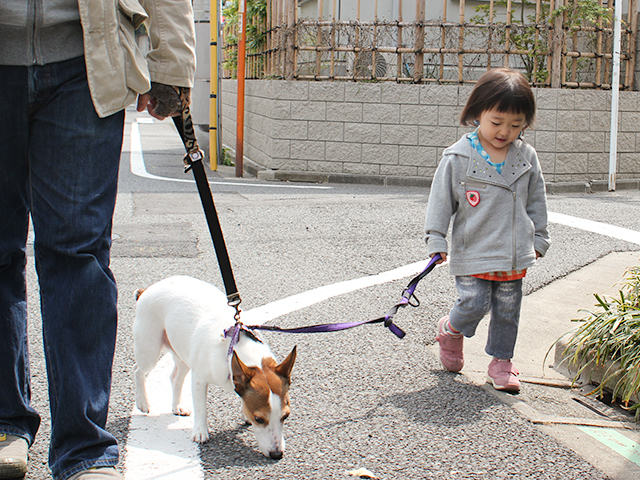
491 184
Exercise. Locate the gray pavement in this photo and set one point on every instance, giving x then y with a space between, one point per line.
362 398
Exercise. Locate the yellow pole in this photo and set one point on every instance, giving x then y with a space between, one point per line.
213 86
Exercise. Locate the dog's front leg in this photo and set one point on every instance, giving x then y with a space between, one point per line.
199 393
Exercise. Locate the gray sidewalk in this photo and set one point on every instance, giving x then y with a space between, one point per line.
547 398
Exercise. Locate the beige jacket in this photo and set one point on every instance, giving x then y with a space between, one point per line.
117 70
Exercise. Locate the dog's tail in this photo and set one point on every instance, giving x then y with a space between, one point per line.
139 292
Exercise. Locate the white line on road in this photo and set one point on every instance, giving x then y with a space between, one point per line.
596 227
139 168
159 444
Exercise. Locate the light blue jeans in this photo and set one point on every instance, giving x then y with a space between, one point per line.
58 163
477 298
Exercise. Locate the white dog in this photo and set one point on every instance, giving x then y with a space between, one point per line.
189 317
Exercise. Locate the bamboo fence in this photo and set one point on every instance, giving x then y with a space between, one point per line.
548 40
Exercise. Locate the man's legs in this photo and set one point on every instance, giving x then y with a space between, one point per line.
17 417
73 167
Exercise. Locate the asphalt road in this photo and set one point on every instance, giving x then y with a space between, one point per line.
361 398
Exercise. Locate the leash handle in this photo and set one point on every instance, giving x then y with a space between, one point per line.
407 295
193 161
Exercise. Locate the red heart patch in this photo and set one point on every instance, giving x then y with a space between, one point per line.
473 197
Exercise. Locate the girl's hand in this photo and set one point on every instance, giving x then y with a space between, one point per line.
444 257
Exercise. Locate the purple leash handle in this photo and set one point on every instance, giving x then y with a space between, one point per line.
407 295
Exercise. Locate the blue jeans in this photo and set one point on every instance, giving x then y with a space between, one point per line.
476 298
58 163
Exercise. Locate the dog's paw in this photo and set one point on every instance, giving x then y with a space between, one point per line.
200 437
143 406
181 410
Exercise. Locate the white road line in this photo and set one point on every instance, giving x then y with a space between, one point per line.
302 300
139 169
596 227
136 158
159 444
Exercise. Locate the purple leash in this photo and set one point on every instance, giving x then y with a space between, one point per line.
407 296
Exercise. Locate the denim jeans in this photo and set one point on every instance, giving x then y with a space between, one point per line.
476 298
58 163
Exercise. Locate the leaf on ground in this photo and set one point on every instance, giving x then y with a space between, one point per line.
362 473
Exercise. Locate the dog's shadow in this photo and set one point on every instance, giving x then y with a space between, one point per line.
227 448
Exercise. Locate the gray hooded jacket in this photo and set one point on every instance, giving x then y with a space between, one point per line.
499 220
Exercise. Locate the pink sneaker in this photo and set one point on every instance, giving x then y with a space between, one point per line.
503 375
450 347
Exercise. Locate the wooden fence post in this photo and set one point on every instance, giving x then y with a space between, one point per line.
557 44
631 43
290 63
418 67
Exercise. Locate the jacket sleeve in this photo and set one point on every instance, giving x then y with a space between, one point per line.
172 58
537 207
442 205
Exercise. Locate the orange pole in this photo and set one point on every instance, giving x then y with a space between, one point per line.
240 102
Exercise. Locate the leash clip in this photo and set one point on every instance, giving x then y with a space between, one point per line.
234 300
192 157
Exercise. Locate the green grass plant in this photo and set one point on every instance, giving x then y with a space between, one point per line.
609 339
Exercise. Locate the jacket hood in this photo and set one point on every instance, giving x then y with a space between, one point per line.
516 163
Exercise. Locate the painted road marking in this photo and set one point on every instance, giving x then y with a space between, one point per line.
159 443
139 168
616 441
596 227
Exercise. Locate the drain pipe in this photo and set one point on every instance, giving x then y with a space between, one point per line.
242 40
615 96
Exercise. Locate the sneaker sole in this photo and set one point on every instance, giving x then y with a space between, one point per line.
508 389
12 470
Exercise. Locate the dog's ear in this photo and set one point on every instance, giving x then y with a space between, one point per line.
284 369
241 374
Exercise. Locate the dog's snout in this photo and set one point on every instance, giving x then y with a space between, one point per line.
275 455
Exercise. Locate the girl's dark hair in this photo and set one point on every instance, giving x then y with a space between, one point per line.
505 90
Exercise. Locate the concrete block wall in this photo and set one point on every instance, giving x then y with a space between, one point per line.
388 130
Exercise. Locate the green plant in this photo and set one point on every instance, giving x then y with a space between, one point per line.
532 38
610 338
526 36
256 15
226 157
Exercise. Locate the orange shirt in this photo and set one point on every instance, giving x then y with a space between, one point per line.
502 276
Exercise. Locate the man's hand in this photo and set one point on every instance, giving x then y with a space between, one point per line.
162 101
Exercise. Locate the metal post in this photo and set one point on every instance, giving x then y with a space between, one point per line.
213 86
242 40
615 94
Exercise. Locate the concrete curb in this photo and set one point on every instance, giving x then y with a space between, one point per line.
262 173
595 374
389 180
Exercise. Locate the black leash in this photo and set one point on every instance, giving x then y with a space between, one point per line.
193 161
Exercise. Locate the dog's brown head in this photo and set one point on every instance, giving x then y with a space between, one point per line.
265 399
